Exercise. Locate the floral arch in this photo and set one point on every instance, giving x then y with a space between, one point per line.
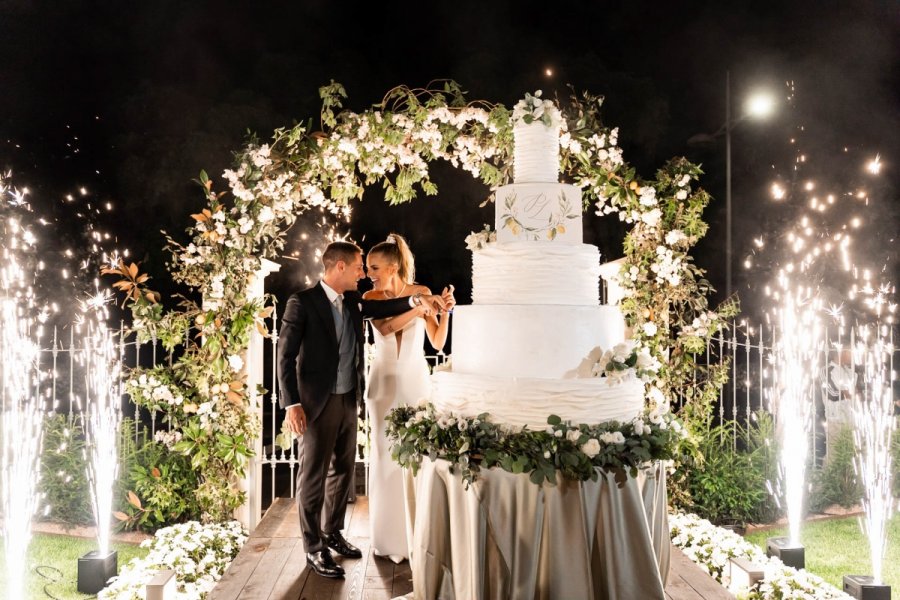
204 395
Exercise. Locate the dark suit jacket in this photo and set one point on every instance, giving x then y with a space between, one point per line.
308 347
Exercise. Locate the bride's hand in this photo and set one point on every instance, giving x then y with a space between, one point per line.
448 298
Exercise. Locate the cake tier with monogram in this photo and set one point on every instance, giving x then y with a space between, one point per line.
528 345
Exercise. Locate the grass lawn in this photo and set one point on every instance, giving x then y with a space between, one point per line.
837 547
53 564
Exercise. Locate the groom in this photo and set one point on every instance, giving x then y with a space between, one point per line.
321 373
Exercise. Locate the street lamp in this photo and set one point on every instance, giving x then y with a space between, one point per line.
759 105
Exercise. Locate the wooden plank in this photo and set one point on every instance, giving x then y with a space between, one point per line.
262 581
678 589
239 571
274 517
292 579
401 583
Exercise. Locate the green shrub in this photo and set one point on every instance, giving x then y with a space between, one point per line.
158 488
63 481
836 482
729 483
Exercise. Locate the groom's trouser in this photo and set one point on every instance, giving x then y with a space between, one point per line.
332 434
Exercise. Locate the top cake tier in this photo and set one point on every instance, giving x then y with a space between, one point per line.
536 153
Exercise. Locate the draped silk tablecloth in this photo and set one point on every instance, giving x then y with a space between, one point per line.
507 538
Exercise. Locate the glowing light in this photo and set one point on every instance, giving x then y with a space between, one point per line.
778 192
874 165
548 72
760 105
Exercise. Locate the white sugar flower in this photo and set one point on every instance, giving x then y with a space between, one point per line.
622 351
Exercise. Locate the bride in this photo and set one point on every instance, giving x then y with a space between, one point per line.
398 376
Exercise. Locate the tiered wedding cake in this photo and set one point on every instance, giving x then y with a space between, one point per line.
526 346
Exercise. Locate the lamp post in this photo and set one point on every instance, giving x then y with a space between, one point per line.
759 105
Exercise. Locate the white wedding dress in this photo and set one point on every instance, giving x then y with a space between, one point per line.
398 376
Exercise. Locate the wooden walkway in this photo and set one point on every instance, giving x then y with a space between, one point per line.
272 566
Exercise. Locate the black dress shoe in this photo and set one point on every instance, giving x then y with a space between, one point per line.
323 564
336 542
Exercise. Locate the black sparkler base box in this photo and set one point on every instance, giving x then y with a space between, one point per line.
863 587
792 555
94 570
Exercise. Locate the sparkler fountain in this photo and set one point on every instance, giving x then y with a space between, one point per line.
821 270
797 347
22 414
102 419
873 419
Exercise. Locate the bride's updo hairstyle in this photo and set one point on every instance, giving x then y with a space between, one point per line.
397 252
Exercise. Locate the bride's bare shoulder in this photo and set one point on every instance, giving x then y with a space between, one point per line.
419 289
374 295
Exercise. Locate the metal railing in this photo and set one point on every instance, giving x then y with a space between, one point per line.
746 392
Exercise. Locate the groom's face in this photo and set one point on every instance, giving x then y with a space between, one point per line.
353 272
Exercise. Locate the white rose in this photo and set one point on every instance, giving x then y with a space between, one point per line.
591 447
681 194
649 328
652 217
558 433
235 362
622 351
573 435
675 236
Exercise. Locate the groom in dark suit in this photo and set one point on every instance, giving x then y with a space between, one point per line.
321 373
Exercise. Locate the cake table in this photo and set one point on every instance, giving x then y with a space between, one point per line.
506 537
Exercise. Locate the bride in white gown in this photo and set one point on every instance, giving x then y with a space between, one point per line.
398 376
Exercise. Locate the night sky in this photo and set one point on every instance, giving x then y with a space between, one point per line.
132 100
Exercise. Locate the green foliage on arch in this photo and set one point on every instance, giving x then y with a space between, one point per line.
204 394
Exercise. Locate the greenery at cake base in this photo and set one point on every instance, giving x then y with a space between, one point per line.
576 451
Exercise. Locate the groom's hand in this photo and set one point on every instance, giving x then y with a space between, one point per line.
296 418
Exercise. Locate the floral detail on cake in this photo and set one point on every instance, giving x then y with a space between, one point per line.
556 219
533 108
624 361
480 239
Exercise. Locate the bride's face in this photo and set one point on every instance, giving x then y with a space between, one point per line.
381 272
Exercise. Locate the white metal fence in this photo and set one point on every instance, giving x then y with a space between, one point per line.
749 352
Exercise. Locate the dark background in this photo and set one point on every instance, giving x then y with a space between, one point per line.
132 100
